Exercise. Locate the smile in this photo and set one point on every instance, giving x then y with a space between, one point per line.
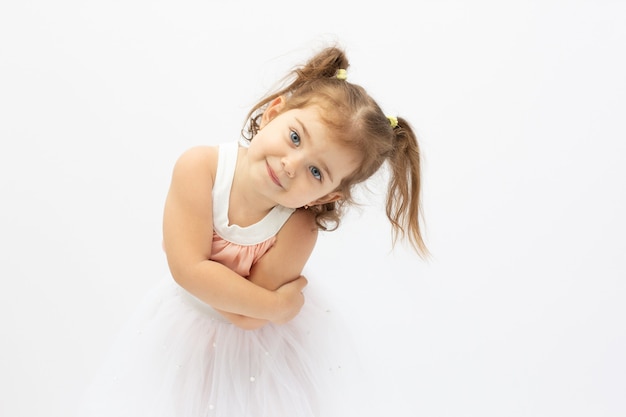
272 175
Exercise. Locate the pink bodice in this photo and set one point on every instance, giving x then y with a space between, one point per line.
239 258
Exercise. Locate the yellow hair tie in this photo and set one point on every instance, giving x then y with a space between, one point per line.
342 74
393 121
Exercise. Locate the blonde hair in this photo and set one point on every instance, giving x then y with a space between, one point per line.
360 124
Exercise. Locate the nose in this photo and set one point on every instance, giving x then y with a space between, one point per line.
290 163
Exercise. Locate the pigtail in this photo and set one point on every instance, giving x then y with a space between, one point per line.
404 208
323 65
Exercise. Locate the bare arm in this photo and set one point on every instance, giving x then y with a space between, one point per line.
187 240
284 261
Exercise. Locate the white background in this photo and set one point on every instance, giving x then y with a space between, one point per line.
520 107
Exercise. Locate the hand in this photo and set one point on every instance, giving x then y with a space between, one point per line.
290 300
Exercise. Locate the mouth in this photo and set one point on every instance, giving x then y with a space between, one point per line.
272 175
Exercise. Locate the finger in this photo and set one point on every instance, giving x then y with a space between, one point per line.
302 282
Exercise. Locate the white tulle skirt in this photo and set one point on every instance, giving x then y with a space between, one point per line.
177 357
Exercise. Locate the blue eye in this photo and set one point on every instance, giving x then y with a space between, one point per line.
295 138
316 173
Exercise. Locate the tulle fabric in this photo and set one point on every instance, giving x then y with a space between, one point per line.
177 357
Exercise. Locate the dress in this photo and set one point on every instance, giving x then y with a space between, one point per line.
177 357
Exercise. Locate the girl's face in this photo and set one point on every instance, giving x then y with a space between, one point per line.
293 159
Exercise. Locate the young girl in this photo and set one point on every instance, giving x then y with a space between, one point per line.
232 335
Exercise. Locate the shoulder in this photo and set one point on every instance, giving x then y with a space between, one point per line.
300 230
193 175
199 159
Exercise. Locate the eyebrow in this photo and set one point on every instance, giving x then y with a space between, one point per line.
306 133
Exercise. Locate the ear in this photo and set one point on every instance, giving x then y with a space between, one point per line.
328 198
273 109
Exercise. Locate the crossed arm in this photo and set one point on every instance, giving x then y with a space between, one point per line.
272 292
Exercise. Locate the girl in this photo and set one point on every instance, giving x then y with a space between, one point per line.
231 335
